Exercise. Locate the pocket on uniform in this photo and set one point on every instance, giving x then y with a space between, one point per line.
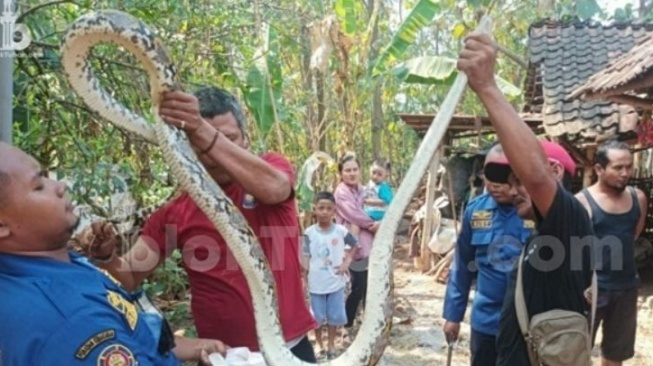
481 237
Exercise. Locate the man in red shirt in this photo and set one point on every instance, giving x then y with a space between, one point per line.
262 189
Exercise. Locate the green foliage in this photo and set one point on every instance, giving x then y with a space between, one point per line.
309 182
263 87
442 71
421 16
587 9
261 51
625 14
349 12
478 3
169 281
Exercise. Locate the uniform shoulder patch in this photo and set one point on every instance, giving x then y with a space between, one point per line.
529 224
125 307
116 355
94 341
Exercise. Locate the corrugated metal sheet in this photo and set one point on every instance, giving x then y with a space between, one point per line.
562 58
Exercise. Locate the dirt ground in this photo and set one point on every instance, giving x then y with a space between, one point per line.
417 337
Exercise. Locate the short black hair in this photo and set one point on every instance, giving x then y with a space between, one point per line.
383 163
346 158
216 102
5 181
324 195
602 151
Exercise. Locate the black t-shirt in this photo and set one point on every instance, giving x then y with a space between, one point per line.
556 271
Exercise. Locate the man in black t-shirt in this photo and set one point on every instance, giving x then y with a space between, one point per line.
556 264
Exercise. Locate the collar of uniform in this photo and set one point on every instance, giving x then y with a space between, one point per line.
491 204
28 266
487 202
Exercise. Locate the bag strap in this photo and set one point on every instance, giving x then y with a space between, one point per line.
595 295
520 303
522 312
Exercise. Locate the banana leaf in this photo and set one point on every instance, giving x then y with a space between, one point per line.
421 16
431 70
348 12
264 84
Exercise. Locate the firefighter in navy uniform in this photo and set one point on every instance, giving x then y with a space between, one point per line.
73 314
56 308
489 243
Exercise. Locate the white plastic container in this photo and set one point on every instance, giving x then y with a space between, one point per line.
240 356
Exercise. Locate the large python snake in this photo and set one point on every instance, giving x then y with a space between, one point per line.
137 37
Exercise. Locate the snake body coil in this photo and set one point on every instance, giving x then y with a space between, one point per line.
135 36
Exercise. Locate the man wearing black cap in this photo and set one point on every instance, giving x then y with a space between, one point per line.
490 241
556 264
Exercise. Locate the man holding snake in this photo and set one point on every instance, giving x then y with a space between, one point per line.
262 189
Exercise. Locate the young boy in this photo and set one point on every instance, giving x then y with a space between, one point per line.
379 193
328 251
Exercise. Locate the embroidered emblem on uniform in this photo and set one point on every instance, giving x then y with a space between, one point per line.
482 215
116 355
481 219
125 307
93 342
481 224
529 224
249 201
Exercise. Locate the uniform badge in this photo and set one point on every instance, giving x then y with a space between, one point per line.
125 307
482 215
529 224
93 342
249 201
116 355
481 219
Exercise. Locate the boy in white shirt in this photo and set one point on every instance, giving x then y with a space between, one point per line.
328 251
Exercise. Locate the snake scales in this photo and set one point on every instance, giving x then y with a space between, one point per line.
137 37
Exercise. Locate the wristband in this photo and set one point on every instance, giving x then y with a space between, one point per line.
104 260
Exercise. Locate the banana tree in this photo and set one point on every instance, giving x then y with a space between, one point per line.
262 88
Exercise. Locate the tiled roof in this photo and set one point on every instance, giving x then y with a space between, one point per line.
562 57
619 76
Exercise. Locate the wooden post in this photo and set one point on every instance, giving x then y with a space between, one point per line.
427 226
588 169
637 162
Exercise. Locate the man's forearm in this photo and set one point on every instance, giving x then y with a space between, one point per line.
259 178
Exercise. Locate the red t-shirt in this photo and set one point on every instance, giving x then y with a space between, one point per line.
221 302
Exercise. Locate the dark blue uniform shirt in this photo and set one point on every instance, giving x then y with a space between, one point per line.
58 313
488 245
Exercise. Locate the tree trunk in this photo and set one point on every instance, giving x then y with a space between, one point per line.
321 105
307 73
644 8
377 102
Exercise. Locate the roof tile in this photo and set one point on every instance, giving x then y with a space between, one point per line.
563 57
